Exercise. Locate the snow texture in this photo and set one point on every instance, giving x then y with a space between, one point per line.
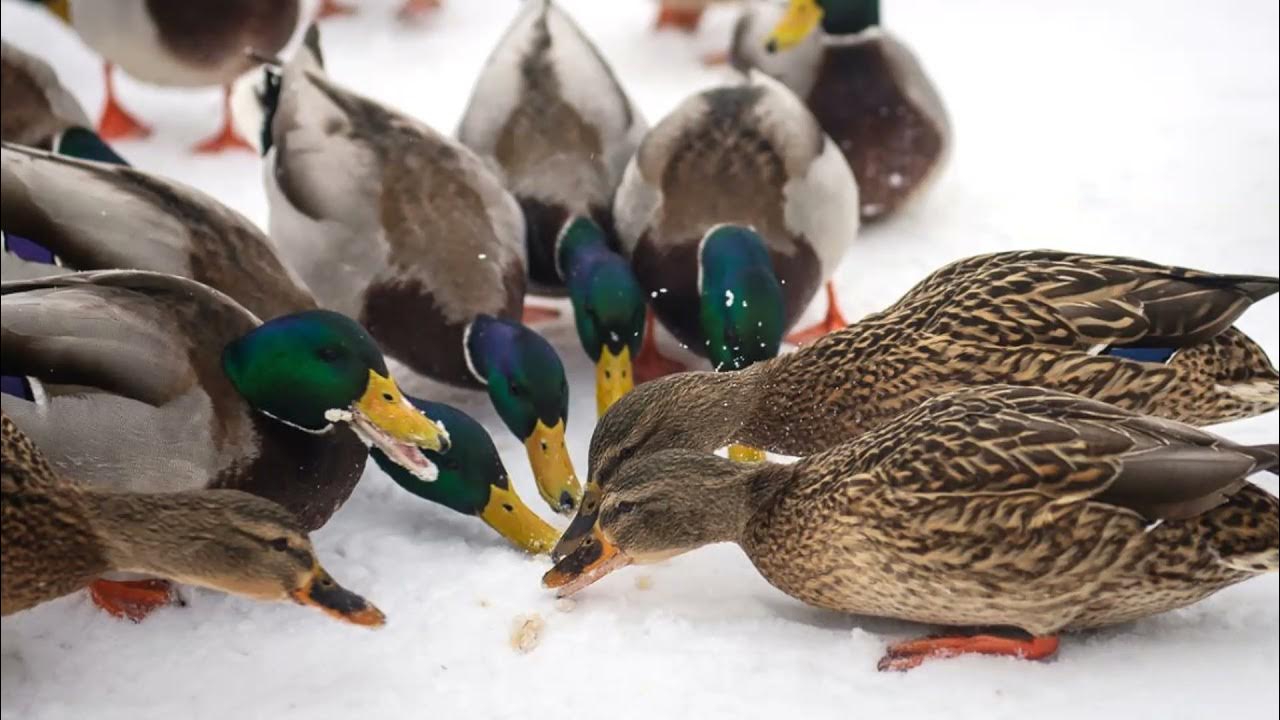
1143 128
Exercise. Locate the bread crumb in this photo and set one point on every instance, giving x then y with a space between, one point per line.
644 582
524 632
482 602
566 604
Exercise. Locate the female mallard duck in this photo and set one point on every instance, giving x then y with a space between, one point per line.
91 216
59 537
738 205
34 106
866 88
985 507
549 112
1145 337
394 224
131 375
473 481
195 43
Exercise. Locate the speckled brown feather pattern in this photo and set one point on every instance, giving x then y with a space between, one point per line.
45 526
1018 507
97 217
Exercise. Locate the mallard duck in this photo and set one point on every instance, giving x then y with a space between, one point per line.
549 112
406 230
59 537
865 86
739 205
195 43
154 382
1145 337
93 216
985 507
34 106
473 480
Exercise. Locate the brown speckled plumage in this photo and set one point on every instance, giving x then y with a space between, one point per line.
992 506
1025 318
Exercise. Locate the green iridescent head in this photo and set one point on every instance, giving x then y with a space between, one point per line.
526 383
742 308
317 368
85 144
472 480
608 305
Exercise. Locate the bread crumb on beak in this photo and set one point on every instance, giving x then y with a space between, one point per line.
566 605
525 630
644 582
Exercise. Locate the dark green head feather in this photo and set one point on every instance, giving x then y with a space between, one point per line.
742 309
522 372
608 303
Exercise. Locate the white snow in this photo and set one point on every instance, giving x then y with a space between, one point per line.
1144 128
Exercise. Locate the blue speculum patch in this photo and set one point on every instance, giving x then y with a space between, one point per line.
1142 354
17 386
29 250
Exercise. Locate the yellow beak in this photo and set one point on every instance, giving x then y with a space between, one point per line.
552 468
386 407
507 513
801 18
745 454
613 377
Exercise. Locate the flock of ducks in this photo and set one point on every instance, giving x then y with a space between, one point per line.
1011 444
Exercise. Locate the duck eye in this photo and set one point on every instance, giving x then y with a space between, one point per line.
280 544
450 463
516 390
624 507
627 452
329 353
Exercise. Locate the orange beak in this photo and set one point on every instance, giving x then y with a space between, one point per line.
590 561
322 592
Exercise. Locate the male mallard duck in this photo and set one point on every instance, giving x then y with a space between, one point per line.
59 537
548 110
406 230
738 204
95 216
985 507
131 375
1145 337
865 86
34 106
195 43
473 480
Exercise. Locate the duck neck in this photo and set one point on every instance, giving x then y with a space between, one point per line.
736 494
719 408
138 532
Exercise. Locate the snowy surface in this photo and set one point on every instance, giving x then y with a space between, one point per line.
1142 128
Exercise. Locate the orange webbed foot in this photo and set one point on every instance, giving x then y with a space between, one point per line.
907 655
679 18
650 363
537 314
226 138
334 8
414 10
116 123
833 321
133 599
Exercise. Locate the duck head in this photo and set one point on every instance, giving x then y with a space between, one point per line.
473 480
741 309
836 17
608 305
317 368
527 386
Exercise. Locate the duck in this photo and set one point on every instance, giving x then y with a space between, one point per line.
124 378
472 480
408 231
734 210
59 536
998 506
88 210
1148 338
35 107
547 111
866 86
197 43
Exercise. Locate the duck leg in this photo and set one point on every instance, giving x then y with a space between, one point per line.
650 364
834 321
227 138
906 655
537 314
132 599
334 8
413 10
116 123
680 18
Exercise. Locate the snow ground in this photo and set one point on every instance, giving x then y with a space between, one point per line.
1142 128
